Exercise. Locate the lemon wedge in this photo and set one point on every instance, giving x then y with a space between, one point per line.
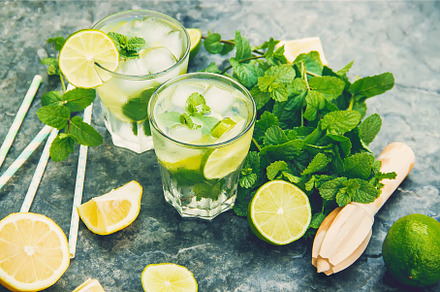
294 48
113 211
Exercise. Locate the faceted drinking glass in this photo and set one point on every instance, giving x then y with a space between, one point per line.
126 93
201 144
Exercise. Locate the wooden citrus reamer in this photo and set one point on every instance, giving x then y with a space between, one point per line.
344 234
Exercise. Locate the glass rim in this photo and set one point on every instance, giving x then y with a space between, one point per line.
178 78
152 75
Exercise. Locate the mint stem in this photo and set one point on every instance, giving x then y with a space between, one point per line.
241 61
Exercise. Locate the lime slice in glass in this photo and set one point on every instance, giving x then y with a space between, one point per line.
79 54
222 127
279 213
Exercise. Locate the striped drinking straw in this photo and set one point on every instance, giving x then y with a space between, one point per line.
36 179
79 186
21 113
24 155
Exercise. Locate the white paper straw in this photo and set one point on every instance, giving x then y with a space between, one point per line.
19 117
39 171
24 155
79 186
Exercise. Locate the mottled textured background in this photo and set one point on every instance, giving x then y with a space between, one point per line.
401 37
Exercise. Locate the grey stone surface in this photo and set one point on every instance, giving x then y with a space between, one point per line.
396 36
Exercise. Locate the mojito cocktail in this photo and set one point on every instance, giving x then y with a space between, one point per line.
202 127
155 48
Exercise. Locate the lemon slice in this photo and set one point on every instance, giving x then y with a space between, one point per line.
222 127
293 48
227 159
90 285
79 54
279 213
195 37
34 252
113 211
168 277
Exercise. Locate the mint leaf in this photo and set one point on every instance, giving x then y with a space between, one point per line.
359 165
344 71
78 99
261 98
212 68
330 87
54 115
61 147
52 98
250 171
282 74
127 48
317 219
52 63
276 167
84 133
196 104
186 119
214 45
343 198
136 108
247 73
318 163
329 189
372 85
365 193
242 47
311 61
274 136
315 101
369 128
340 122
57 42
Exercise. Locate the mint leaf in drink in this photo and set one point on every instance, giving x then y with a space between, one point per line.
54 116
127 47
52 98
78 99
186 119
84 133
196 104
61 147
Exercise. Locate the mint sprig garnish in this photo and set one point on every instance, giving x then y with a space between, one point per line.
195 106
127 47
311 126
60 109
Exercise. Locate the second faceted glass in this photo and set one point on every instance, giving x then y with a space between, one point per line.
126 94
202 127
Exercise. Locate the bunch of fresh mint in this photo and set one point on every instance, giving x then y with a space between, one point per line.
59 110
311 128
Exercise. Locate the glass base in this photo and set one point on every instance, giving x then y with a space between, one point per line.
204 209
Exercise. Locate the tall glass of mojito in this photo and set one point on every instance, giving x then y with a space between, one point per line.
153 48
202 126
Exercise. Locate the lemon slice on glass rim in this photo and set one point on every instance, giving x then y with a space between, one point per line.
80 54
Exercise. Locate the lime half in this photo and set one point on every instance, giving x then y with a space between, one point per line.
195 37
168 277
279 213
79 54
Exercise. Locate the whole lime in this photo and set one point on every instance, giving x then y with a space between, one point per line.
411 250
